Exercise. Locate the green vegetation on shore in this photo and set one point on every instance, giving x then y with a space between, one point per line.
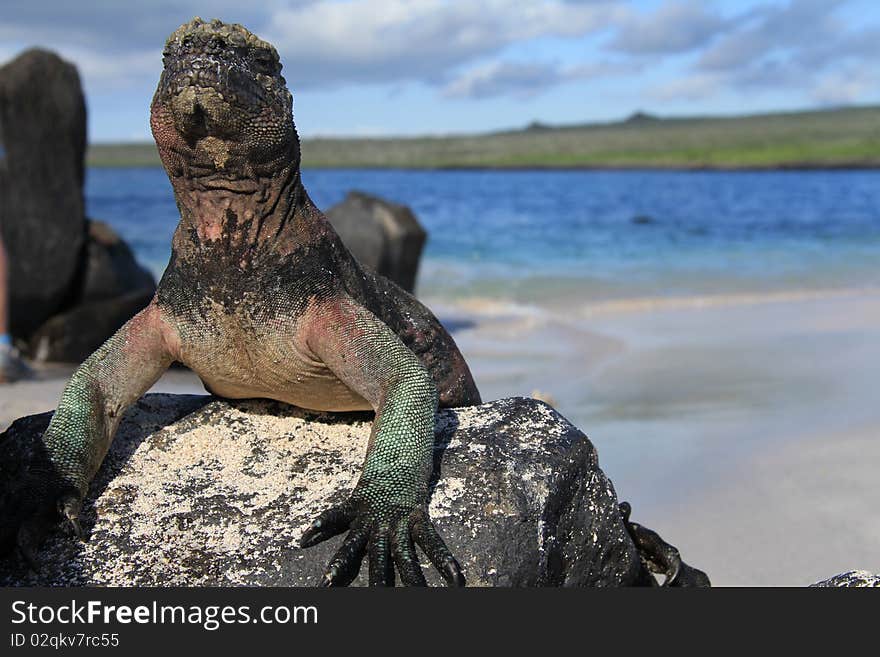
813 139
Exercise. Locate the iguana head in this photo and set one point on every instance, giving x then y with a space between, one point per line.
222 106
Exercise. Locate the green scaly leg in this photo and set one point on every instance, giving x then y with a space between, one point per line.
386 515
52 475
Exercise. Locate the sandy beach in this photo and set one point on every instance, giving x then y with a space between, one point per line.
741 427
744 428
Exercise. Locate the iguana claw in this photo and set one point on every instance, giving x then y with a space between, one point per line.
389 544
331 522
69 507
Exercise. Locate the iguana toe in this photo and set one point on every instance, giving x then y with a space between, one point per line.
346 563
24 531
388 540
69 506
381 564
330 523
427 538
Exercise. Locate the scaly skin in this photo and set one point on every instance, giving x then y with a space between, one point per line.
261 299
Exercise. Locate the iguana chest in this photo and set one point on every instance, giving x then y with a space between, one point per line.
249 345
236 309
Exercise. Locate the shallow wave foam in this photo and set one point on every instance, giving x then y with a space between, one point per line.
642 304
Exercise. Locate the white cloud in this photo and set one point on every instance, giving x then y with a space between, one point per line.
693 87
790 30
360 41
100 72
673 28
525 79
498 78
323 43
847 87
120 71
800 47
478 50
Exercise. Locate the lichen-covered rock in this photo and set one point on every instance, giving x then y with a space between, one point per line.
385 237
852 578
200 491
42 144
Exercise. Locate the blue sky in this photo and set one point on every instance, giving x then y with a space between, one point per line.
407 67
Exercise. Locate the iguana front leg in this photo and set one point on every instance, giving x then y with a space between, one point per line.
48 479
387 510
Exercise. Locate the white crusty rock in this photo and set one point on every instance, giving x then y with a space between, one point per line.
852 578
202 491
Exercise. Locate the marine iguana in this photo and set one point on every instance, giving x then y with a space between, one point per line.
261 299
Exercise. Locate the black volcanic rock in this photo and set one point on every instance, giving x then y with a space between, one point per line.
42 142
385 237
73 281
200 491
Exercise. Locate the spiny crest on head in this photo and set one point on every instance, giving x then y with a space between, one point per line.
236 34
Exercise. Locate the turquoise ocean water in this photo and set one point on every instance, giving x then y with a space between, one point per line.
530 236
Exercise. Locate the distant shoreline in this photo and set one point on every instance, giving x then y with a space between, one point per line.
787 166
847 138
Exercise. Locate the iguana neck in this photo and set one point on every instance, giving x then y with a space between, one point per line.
245 210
